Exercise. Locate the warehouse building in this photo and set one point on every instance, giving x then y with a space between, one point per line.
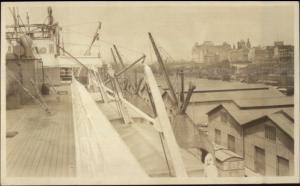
259 130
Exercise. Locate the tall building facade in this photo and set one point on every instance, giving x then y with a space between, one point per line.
208 52
240 54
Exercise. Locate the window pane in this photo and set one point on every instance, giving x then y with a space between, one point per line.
259 161
231 143
270 133
282 166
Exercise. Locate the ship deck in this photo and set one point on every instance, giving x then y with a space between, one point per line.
44 145
145 144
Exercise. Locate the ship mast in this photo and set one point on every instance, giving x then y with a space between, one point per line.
160 61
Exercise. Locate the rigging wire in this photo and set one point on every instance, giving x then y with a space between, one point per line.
165 154
86 34
161 49
79 24
109 43
22 23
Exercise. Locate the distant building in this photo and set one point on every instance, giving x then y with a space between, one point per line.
278 43
261 54
283 53
270 64
242 44
278 52
208 52
240 54
258 130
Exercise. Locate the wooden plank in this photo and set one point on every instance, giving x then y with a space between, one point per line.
165 124
36 144
40 146
97 157
20 146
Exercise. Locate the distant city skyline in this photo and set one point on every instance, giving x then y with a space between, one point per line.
175 27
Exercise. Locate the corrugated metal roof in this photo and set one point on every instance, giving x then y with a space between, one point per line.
289 112
223 154
283 122
247 116
206 84
198 112
235 95
265 102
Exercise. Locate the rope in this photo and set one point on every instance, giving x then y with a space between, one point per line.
28 92
40 97
116 97
74 32
167 54
109 43
22 24
175 83
79 24
163 147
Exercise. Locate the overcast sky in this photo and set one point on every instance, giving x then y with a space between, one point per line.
175 27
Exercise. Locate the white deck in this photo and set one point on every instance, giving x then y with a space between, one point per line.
44 145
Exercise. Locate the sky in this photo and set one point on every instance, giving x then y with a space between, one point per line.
176 27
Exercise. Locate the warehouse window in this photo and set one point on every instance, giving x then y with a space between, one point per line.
282 166
231 143
270 133
217 136
260 160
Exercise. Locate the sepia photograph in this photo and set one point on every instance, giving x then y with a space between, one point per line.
157 92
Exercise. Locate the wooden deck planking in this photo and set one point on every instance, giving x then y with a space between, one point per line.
95 156
37 163
38 152
14 127
23 147
33 149
45 144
